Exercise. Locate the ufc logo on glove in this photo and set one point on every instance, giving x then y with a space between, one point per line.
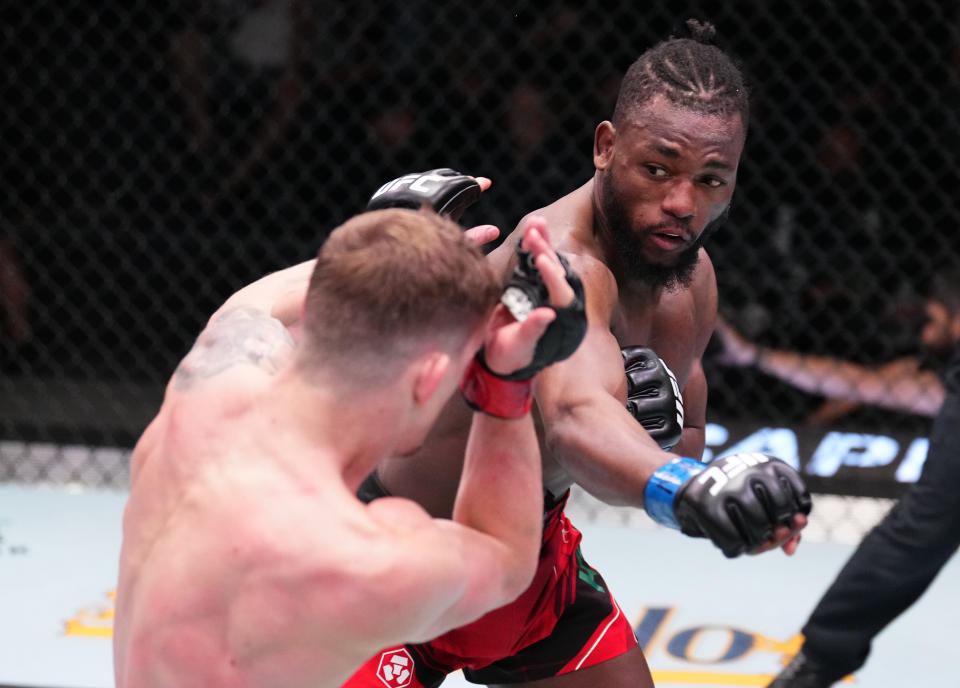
734 466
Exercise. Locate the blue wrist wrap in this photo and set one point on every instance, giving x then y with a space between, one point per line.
662 488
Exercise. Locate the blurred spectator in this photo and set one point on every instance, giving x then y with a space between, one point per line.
910 384
14 300
528 120
532 158
829 244
392 127
241 75
539 97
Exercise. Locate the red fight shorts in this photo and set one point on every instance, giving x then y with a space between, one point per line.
566 620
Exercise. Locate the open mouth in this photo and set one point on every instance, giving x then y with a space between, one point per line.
668 241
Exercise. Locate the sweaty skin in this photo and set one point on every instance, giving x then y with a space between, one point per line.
673 172
661 179
247 559
192 483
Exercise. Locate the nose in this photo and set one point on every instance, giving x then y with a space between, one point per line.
679 201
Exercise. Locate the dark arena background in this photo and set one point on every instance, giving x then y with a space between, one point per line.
157 156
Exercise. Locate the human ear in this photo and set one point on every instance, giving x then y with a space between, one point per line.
430 371
603 139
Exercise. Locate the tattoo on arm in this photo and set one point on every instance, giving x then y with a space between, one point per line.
241 336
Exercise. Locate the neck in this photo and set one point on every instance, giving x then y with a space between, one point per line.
602 234
345 427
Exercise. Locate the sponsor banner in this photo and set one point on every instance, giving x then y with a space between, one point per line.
710 653
835 461
844 462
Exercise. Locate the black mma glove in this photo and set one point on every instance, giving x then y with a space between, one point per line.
510 396
653 395
736 501
527 291
447 191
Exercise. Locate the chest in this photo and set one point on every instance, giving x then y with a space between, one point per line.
667 323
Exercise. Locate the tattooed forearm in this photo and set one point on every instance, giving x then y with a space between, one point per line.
242 336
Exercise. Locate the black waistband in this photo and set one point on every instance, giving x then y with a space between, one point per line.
371 488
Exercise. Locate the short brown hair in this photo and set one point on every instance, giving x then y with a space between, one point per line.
387 281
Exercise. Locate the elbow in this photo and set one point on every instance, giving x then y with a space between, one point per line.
522 582
562 429
518 578
520 561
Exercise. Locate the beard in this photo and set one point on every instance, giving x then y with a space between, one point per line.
637 268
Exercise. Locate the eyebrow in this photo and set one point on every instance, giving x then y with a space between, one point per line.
718 165
667 151
672 153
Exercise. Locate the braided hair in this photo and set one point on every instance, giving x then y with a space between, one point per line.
691 73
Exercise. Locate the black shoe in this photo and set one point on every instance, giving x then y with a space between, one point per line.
804 672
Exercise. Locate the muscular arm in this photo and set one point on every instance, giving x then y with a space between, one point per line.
704 295
582 401
693 440
491 544
500 496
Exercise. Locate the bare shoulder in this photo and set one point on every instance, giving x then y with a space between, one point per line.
145 447
705 297
401 525
568 219
583 259
412 563
704 277
241 336
591 270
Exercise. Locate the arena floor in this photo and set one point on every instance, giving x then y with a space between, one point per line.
705 621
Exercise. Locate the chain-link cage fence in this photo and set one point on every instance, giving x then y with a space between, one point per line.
157 156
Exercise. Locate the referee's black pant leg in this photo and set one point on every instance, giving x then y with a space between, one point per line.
898 559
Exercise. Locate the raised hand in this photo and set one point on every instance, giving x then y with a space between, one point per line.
543 322
515 333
